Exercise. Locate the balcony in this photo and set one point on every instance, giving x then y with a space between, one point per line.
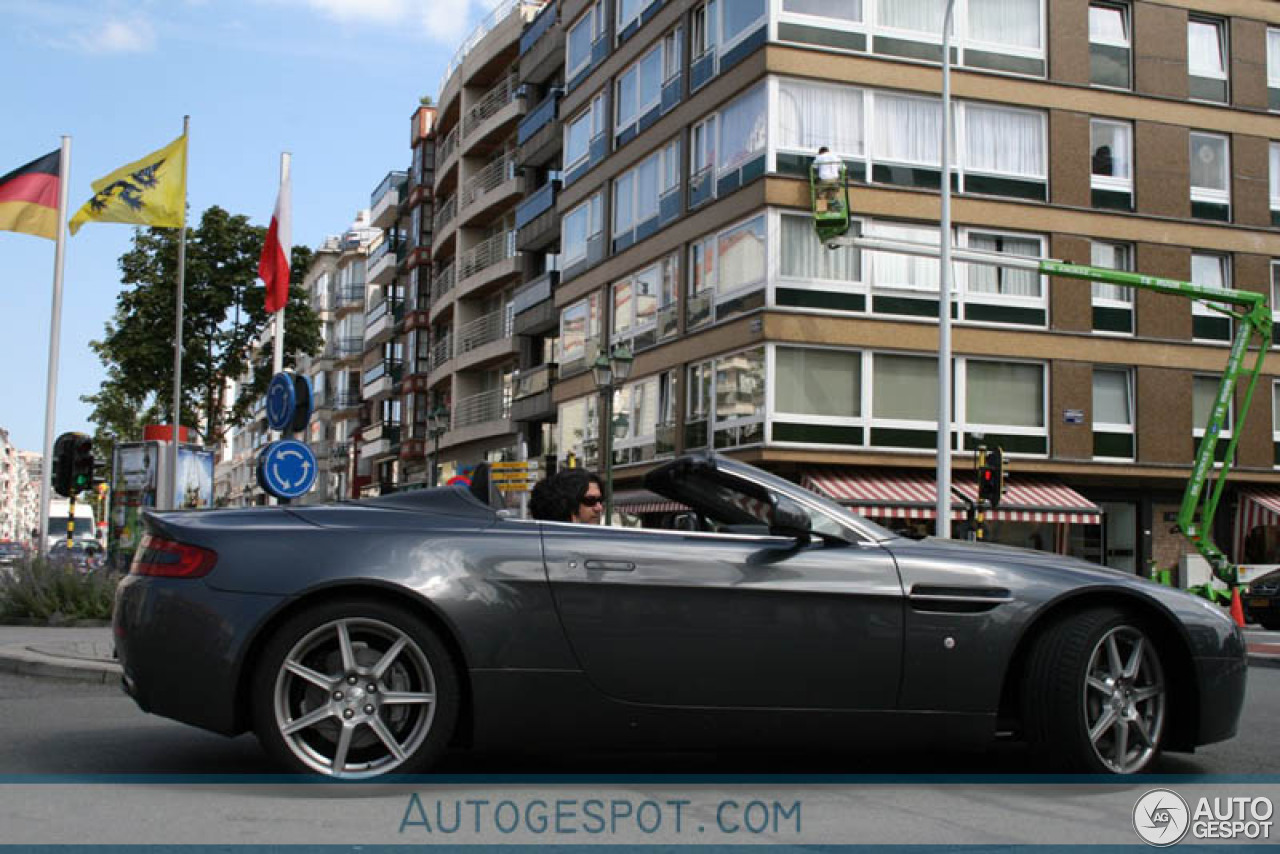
542 46
483 330
382 378
380 440
348 348
486 257
346 400
347 298
532 398
484 114
340 452
443 283
384 259
541 116
380 321
481 408
537 221
489 187
441 351
384 204
445 213
535 312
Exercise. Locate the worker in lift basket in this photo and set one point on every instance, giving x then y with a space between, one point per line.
828 168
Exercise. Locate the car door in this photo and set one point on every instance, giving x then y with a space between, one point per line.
729 619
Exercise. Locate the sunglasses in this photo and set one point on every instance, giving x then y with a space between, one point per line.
593 501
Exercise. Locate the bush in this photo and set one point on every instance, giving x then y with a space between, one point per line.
36 589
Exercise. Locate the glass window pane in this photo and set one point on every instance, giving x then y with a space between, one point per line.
651 78
805 257
1204 49
1110 146
740 385
1107 25
896 270
739 15
742 129
1273 57
579 41
622 307
645 289
1204 393
921 15
1111 397
741 255
811 115
905 388
1208 162
1112 256
818 382
1006 22
907 130
1004 393
845 10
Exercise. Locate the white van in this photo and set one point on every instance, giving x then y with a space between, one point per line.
85 528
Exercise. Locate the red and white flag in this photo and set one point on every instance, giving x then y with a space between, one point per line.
273 266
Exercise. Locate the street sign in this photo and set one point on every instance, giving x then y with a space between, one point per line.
282 401
286 469
514 475
304 403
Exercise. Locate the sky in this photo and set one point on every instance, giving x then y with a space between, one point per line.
334 82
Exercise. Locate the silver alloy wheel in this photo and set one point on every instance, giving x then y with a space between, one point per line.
1124 700
355 698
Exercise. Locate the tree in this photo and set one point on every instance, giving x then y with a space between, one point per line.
223 315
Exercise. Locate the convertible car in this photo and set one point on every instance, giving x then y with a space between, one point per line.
365 638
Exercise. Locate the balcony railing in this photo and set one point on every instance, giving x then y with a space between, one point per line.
498 15
449 146
444 282
483 330
390 244
490 103
347 400
539 117
535 291
340 450
546 20
537 203
493 250
386 368
479 408
395 181
348 296
378 312
441 351
534 380
447 211
389 430
345 348
493 175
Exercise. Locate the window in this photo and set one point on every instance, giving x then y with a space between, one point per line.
704 26
697 405
1213 271
1275 183
1111 163
1210 176
1005 401
1275 306
1207 59
1204 397
904 401
629 12
579 42
740 18
741 143
739 399
580 332
638 95
578 228
636 301
806 259
643 196
1002 35
999 141
1109 45
812 115
1112 304
1113 413
1009 285
580 131
818 383
1273 69
702 161
635 421
578 428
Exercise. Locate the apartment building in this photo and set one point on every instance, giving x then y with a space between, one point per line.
19 492
664 154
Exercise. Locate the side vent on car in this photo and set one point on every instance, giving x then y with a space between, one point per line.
957 600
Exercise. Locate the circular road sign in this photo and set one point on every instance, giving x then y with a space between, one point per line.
304 403
287 469
282 401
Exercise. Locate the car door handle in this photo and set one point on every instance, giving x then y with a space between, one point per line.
610 565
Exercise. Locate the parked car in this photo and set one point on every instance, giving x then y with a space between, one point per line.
1262 601
84 554
10 554
363 638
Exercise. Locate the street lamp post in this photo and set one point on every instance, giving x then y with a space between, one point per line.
610 372
943 478
437 426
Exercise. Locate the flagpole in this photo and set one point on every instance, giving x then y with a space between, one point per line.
55 334
277 356
177 330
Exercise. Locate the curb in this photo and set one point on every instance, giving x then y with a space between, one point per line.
18 659
1264 661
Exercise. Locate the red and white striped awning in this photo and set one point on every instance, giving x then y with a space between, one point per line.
906 494
1257 507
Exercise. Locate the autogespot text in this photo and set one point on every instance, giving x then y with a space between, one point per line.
599 816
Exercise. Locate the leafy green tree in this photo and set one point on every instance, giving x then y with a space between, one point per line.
223 316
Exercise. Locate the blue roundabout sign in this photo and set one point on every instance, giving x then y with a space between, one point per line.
286 469
282 401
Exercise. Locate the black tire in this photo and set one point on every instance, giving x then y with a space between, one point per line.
1082 713
398 714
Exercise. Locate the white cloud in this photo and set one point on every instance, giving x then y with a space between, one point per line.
135 35
444 21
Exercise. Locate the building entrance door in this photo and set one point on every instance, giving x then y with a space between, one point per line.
1120 535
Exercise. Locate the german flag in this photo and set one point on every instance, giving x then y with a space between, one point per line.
29 198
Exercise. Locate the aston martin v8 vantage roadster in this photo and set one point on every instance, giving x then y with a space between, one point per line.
364 638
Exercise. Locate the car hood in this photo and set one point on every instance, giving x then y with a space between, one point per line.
965 552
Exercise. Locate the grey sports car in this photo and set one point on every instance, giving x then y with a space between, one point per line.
364 638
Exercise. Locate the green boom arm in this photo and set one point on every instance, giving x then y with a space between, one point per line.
1250 310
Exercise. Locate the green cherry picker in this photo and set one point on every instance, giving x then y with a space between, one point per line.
831 217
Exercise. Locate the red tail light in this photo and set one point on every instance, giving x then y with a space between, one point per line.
169 559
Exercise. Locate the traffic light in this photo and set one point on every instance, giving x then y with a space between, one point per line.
991 478
64 463
82 469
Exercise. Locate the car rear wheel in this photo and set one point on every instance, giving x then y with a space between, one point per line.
1095 697
355 690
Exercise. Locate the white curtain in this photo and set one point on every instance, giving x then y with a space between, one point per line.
905 388
812 115
1112 256
818 382
1273 56
896 270
1208 162
907 130
742 128
1005 394
845 10
1007 22
1106 25
741 255
1209 270
1204 50
1111 397
1116 137
805 257
922 15
1004 141
1001 280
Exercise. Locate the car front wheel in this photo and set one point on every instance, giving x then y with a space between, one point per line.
355 690
1096 698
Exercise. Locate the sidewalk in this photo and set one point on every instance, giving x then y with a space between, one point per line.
86 653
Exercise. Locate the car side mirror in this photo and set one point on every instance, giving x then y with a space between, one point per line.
790 520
